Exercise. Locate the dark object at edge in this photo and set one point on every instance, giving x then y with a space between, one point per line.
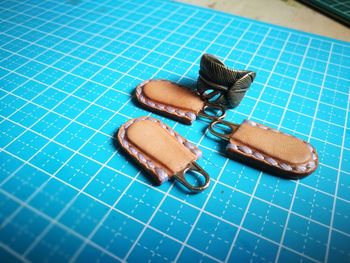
329 10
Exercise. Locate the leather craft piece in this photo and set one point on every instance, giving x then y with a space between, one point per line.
172 100
158 149
221 85
271 150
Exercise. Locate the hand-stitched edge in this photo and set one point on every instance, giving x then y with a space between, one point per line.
271 161
162 107
143 158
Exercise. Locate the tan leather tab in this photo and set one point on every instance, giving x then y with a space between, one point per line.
275 144
170 99
157 143
269 147
157 147
173 95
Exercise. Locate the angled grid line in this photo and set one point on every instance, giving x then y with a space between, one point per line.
215 182
50 140
227 16
246 51
18 13
257 81
201 211
39 119
107 109
44 36
170 188
25 204
185 35
203 25
337 182
101 106
32 29
228 170
260 173
155 229
297 183
73 199
13 253
102 220
86 80
69 230
40 72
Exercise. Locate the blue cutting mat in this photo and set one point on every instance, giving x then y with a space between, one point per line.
67 193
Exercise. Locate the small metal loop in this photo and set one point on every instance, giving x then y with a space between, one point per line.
224 136
180 176
202 113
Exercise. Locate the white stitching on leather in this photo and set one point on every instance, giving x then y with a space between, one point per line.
163 176
258 155
159 106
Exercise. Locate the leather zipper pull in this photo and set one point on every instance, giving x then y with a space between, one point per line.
268 149
162 152
176 101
